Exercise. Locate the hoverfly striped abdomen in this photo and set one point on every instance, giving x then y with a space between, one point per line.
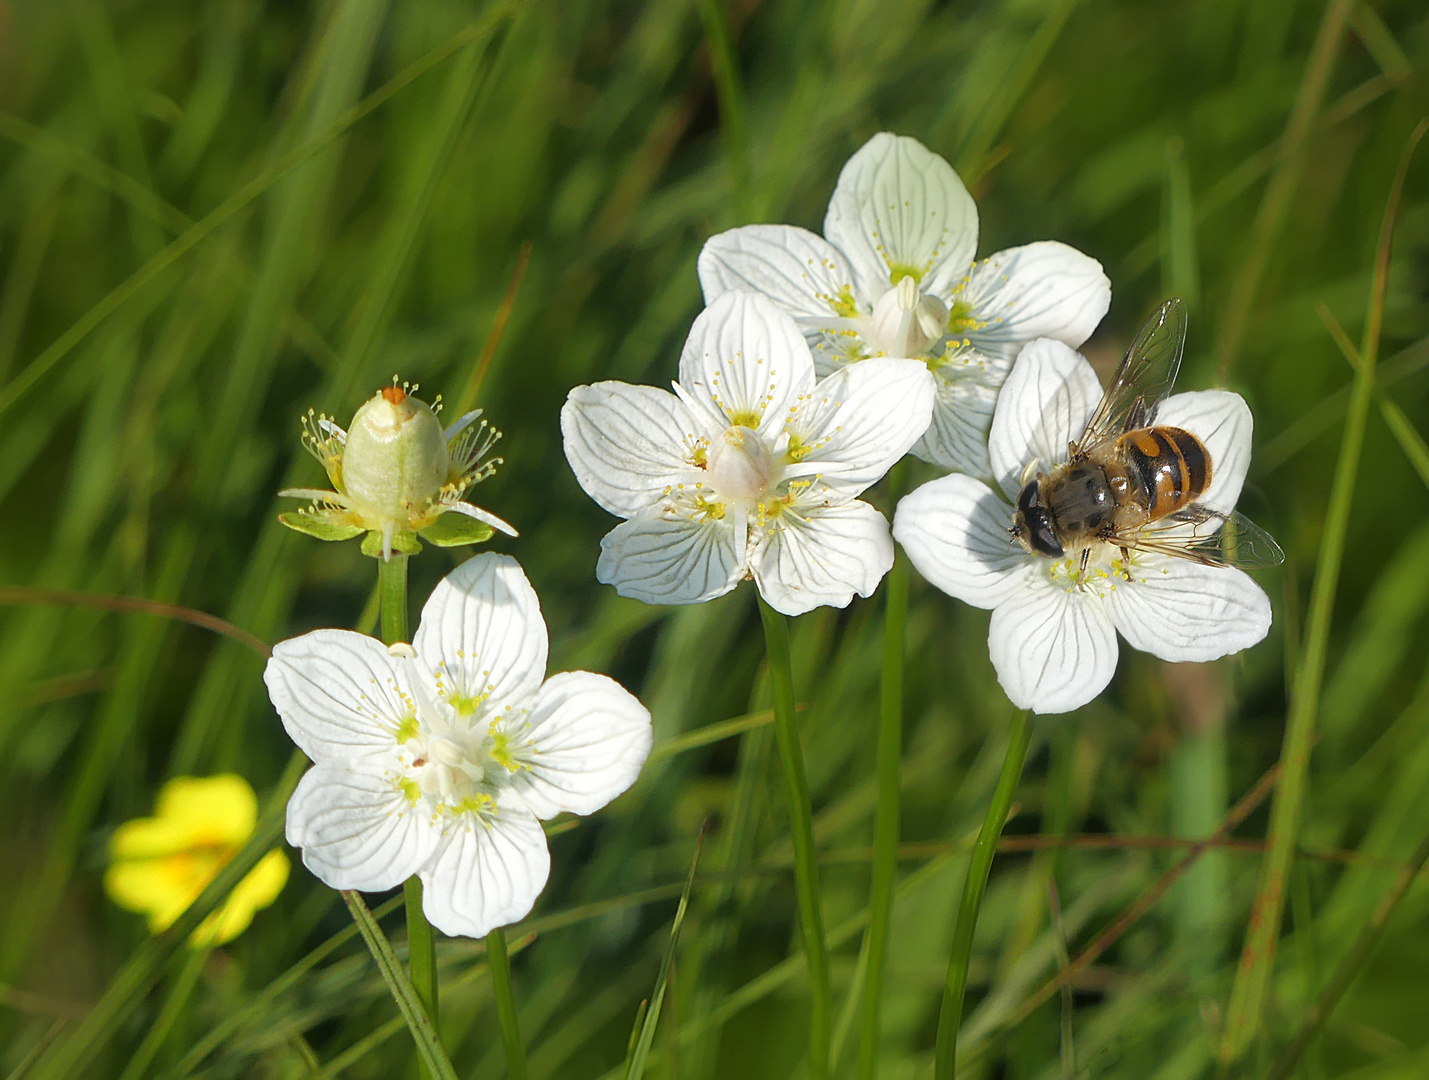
1168 465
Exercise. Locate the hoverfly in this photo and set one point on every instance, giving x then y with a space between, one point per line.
1132 484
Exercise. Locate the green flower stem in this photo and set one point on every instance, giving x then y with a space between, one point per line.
806 872
392 591
421 947
499 964
421 943
951 1015
886 824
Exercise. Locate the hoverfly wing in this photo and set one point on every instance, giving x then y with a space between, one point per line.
1145 377
1213 537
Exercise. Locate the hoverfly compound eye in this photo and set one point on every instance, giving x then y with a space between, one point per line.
1044 539
1027 497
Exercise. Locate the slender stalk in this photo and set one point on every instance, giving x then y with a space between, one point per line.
499 964
886 823
392 591
1352 964
421 947
801 820
421 943
979 867
1257 962
724 67
164 1023
1280 190
429 1047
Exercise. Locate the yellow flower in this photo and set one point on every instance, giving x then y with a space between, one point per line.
159 865
397 474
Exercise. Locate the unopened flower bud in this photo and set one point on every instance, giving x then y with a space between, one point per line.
396 456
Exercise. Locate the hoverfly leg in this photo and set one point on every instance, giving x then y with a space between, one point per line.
1126 562
1082 571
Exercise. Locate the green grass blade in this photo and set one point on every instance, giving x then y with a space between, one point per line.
806 871
1275 204
1349 967
887 820
1258 957
25 381
635 1068
731 99
500 965
429 1046
950 1015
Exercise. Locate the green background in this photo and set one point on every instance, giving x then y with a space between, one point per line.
150 405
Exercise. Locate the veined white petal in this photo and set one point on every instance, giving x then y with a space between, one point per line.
800 271
627 444
487 871
587 738
1053 647
1222 421
957 434
955 531
486 517
861 420
746 361
819 556
1044 405
663 561
1041 290
460 424
340 694
899 207
1180 610
482 634
357 828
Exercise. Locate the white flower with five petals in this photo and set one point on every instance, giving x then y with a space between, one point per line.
440 758
1053 631
750 468
896 277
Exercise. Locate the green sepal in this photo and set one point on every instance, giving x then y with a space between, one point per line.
455 530
318 527
403 543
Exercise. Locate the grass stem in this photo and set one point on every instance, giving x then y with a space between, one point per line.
951 1014
499 964
886 821
801 819
1257 961
421 943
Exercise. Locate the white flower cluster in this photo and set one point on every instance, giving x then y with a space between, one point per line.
821 360
818 363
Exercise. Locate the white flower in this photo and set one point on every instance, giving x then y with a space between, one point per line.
1053 638
896 277
439 758
750 468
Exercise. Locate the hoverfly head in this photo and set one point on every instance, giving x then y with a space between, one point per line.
1032 523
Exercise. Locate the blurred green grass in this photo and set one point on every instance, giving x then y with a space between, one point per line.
141 458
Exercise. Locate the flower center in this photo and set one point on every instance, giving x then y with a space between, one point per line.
906 322
740 466
460 770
